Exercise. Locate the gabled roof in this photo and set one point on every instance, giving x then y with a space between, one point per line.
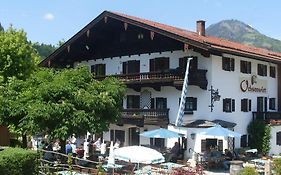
208 43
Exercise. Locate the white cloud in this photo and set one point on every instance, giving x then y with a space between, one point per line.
49 16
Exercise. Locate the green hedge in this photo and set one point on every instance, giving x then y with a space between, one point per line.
17 161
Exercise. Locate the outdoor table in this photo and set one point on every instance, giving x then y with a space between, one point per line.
108 166
170 165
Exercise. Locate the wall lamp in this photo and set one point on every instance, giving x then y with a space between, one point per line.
215 96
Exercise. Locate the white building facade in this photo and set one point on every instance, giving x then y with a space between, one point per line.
246 79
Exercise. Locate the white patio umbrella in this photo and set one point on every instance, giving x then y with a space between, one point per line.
139 154
161 133
218 130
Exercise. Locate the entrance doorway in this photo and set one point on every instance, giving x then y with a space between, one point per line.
134 137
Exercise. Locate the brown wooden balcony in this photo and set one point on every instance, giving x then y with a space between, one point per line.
141 117
171 77
268 117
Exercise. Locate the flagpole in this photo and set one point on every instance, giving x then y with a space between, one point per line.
179 119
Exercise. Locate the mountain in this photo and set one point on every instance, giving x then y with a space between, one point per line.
240 32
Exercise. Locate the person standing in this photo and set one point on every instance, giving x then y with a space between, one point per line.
227 158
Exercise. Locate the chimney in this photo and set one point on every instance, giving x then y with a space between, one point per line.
200 27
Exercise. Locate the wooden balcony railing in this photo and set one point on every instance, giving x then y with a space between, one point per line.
196 77
141 117
268 117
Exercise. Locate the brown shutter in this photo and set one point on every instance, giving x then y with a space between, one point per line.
203 145
152 65
232 64
124 68
233 105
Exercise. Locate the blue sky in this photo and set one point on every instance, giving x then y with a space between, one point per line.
49 21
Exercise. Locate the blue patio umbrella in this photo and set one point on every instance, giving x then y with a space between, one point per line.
218 130
161 133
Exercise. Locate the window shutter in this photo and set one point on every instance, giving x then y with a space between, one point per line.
111 135
195 104
151 141
249 67
220 145
124 68
224 105
243 105
250 105
93 68
265 104
152 65
103 69
182 64
203 145
233 105
152 103
137 66
232 64
193 64
243 142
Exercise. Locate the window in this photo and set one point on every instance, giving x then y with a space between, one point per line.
261 104
245 67
193 64
272 72
117 135
272 103
133 101
246 105
98 69
130 67
161 103
227 64
228 105
157 142
262 70
159 64
243 141
190 104
278 138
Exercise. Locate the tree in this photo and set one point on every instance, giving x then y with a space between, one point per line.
259 133
44 50
17 57
1 27
60 103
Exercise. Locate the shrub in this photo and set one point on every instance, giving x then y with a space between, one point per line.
277 165
248 171
18 161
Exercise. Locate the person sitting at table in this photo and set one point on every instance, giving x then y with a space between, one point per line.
174 153
227 158
97 144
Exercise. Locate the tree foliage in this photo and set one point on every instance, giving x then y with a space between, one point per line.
44 50
17 57
259 136
1 27
60 103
